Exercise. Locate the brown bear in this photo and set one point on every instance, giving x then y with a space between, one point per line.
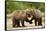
18 16
37 16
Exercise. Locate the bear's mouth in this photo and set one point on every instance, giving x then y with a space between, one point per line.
29 18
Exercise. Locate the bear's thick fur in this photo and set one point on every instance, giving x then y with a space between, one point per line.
37 15
18 16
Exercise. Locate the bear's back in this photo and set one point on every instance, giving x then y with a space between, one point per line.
37 13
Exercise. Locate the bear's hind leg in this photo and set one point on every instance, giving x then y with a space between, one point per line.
14 22
40 22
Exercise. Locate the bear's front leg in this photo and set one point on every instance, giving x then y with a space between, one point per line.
35 22
23 23
18 23
31 20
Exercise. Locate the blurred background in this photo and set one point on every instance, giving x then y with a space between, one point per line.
20 5
12 5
